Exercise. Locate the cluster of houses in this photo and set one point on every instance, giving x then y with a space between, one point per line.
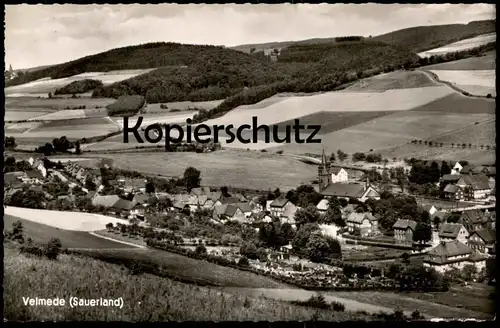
469 183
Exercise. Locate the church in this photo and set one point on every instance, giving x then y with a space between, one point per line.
334 182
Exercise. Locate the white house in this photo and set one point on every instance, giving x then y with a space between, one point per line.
338 174
475 186
431 209
322 206
456 169
282 207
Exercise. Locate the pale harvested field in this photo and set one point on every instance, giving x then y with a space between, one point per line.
75 221
72 129
184 105
73 114
486 62
47 85
473 155
482 133
389 130
17 115
461 45
236 168
477 82
294 107
391 81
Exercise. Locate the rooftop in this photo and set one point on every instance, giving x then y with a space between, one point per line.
405 224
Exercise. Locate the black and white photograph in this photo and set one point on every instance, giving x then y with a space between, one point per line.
249 162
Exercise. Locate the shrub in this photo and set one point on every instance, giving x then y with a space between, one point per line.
337 306
200 249
243 262
53 248
126 105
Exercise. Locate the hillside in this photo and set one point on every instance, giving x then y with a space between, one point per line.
417 38
423 38
144 56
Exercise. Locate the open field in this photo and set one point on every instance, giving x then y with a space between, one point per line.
74 221
72 129
183 106
486 62
482 133
389 131
447 153
146 297
192 270
457 303
296 107
73 114
161 118
54 104
461 45
237 168
392 81
13 128
41 234
476 82
19 115
458 103
47 85
334 121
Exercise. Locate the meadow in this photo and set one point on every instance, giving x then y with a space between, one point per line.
485 62
21 115
47 85
482 133
389 131
183 106
296 107
41 234
145 297
236 168
476 82
73 114
461 45
391 81
74 221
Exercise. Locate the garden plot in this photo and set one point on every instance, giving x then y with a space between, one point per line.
296 107
461 45
478 82
75 221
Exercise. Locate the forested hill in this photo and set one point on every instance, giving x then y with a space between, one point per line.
151 55
424 38
319 67
417 39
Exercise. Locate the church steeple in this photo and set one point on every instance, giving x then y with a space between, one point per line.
323 172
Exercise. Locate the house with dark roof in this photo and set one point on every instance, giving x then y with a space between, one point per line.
468 169
114 204
482 240
229 212
358 191
453 231
473 220
282 208
362 224
403 231
476 186
34 177
452 254
450 178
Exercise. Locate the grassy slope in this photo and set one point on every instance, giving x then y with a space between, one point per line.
423 38
483 133
145 297
41 233
485 62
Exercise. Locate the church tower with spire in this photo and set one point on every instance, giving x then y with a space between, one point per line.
323 173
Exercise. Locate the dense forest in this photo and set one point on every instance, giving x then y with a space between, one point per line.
80 86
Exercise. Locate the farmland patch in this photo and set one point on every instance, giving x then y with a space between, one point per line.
482 133
391 81
184 106
56 103
461 45
478 82
295 107
237 168
486 62
18 115
74 221
457 103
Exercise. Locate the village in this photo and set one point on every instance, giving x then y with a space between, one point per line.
273 233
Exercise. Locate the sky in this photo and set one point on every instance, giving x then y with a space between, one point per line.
38 35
